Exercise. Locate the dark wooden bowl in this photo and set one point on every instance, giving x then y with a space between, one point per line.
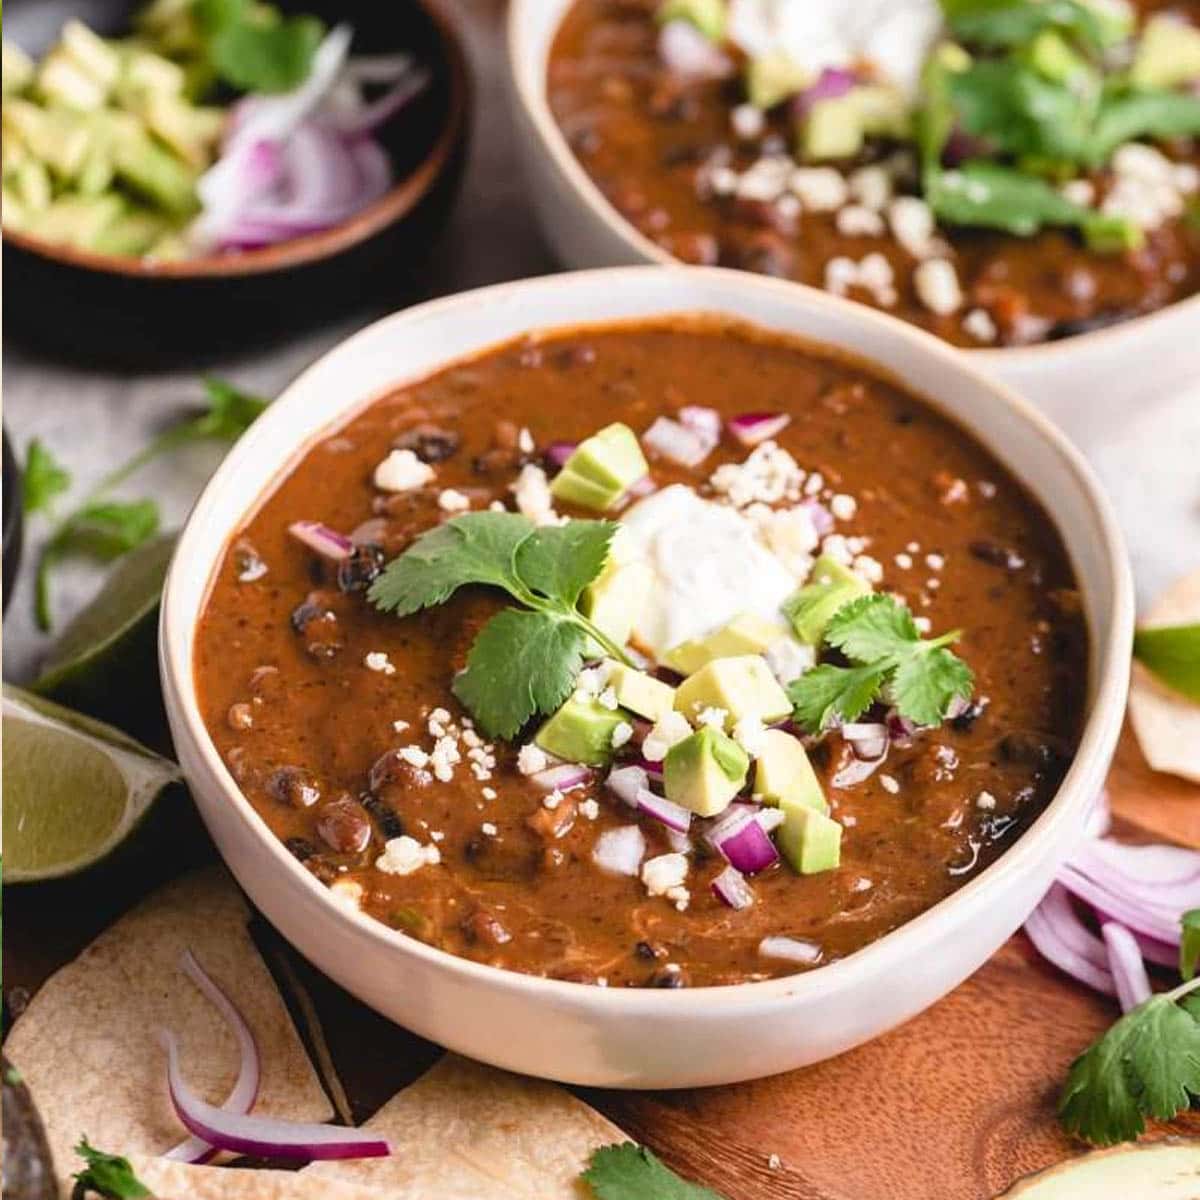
13 530
100 306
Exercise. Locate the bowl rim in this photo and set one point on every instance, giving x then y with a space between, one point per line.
1072 799
397 202
531 93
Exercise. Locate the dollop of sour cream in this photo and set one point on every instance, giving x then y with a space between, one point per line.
708 565
894 36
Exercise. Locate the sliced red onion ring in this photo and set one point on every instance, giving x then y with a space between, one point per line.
379 68
245 1089
686 51
673 816
868 739
1059 909
328 543
795 950
731 888
626 782
676 442
744 843
1151 866
378 112
752 428
562 778
1140 917
831 83
1125 963
1046 933
620 850
264 1137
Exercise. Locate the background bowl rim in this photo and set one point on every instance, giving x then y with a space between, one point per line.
1097 741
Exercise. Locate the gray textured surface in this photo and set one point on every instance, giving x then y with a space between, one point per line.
1149 458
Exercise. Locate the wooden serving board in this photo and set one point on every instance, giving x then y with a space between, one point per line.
955 1105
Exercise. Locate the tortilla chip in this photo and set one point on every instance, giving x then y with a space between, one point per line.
87 1043
179 1181
1168 724
464 1131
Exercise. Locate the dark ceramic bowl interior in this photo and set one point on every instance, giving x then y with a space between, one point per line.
13 520
98 304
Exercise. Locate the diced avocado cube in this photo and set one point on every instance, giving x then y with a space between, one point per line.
96 175
186 130
743 686
16 69
602 469
832 129
157 175
91 53
705 771
77 220
745 634
810 841
131 235
708 16
950 56
581 732
1168 54
170 247
1114 20
641 693
30 183
615 599
883 111
15 216
60 137
830 586
783 774
61 80
772 78
145 73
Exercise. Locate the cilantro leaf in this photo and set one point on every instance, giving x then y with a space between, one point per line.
1146 1065
43 479
254 48
926 684
872 627
522 663
230 411
475 548
996 24
559 561
1172 652
1189 946
827 695
107 529
1140 114
626 1171
109 1175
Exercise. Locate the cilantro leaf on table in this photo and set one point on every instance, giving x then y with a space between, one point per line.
524 661
43 478
627 1171
230 411
878 636
1189 946
1172 652
107 1175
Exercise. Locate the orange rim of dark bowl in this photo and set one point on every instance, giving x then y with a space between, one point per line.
401 199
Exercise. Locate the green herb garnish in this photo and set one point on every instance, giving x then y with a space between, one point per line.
1172 652
886 652
1189 945
1147 1065
997 24
108 1175
627 1171
101 528
254 48
524 661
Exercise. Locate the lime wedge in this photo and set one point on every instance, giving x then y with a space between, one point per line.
105 661
74 789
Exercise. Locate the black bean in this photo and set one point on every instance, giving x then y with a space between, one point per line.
344 825
361 569
996 555
429 443
389 821
670 976
294 786
302 848
969 715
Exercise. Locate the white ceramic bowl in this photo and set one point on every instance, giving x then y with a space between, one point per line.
1076 381
627 1037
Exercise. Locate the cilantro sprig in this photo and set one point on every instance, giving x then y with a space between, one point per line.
1189 945
254 48
887 655
102 528
107 1175
524 661
627 1171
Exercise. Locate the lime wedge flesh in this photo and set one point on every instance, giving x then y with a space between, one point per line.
74 789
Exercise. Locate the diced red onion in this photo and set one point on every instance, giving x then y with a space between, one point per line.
754 427
744 844
680 843
557 453
731 888
263 1137
856 771
328 543
795 950
245 1088
676 442
831 83
868 739
1053 934
643 487
626 782
562 778
1125 963
901 730
620 850
378 112
673 816
686 51
704 422
960 146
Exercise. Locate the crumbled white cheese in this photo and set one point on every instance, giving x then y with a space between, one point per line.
819 189
856 220
750 733
589 809
621 734
980 325
377 660
936 282
913 225
768 475
766 180
664 872
404 855
488 793
711 715
843 507
400 726
1079 191
985 801
923 624
789 659
871 186
889 784
904 561
867 568
552 799
531 759
873 275
347 893
413 755
525 442
402 471
608 699
488 829
747 121
670 729
935 562
532 492
453 501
